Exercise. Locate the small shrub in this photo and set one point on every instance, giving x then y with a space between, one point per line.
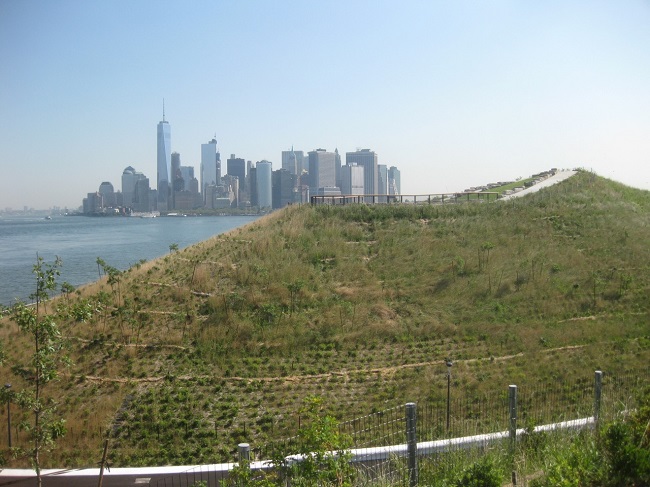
484 473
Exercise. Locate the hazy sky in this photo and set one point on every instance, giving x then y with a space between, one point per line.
453 93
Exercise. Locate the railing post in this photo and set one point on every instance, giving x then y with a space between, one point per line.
598 391
244 452
512 412
412 443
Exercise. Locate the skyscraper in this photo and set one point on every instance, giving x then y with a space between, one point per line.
337 167
108 194
129 179
264 184
284 183
141 194
382 179
208 165
394 182
293 161
176 170
187 173
322 171
164 161
367 159
236 166
352 179
252 184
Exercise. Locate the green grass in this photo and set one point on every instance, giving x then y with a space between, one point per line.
360 305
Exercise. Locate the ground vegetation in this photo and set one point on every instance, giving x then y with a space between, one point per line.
177 360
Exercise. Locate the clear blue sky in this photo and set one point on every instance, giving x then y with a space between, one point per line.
453 93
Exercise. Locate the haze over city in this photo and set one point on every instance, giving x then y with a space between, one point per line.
455 94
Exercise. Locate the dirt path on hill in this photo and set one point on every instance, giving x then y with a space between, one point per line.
342 373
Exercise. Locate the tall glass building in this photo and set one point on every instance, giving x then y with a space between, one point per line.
322 170
209 176
293 161
367 159
352 179
394 182
264 184
164 162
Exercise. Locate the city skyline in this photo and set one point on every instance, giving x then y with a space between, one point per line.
453 93
260 186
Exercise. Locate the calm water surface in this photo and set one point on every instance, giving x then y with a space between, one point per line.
78 241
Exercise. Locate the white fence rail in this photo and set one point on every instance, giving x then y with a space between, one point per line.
189 474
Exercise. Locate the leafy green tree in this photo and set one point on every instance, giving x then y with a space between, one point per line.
47 357
484 255
66 290
318 455
114 279
173 248
100 263
294 289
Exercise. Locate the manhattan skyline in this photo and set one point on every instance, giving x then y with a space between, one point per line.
453 93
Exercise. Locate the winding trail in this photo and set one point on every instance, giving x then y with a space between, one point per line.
298 378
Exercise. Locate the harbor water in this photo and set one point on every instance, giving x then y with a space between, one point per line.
79 241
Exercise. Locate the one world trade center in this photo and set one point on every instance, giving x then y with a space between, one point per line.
164 162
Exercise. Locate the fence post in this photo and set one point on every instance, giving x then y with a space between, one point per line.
412 443
598 391
244 452
512 412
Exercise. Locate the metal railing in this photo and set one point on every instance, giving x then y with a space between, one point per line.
412 199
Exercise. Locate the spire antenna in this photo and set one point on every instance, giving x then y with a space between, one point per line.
163 109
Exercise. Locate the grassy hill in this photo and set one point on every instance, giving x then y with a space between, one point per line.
179 359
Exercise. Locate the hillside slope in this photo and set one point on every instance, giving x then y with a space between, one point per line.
179 359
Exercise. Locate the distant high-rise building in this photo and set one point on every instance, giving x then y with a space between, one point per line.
252 184
187 173
367 159
394 182
322 170
264 184
93 203
284 183
141 200
129 178
232 183
209 176
177 182
236 166
108 194
352 179
293 161
382 179
164 161
337 167
176 172
128 186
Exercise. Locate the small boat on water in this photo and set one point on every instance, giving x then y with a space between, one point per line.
149 214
